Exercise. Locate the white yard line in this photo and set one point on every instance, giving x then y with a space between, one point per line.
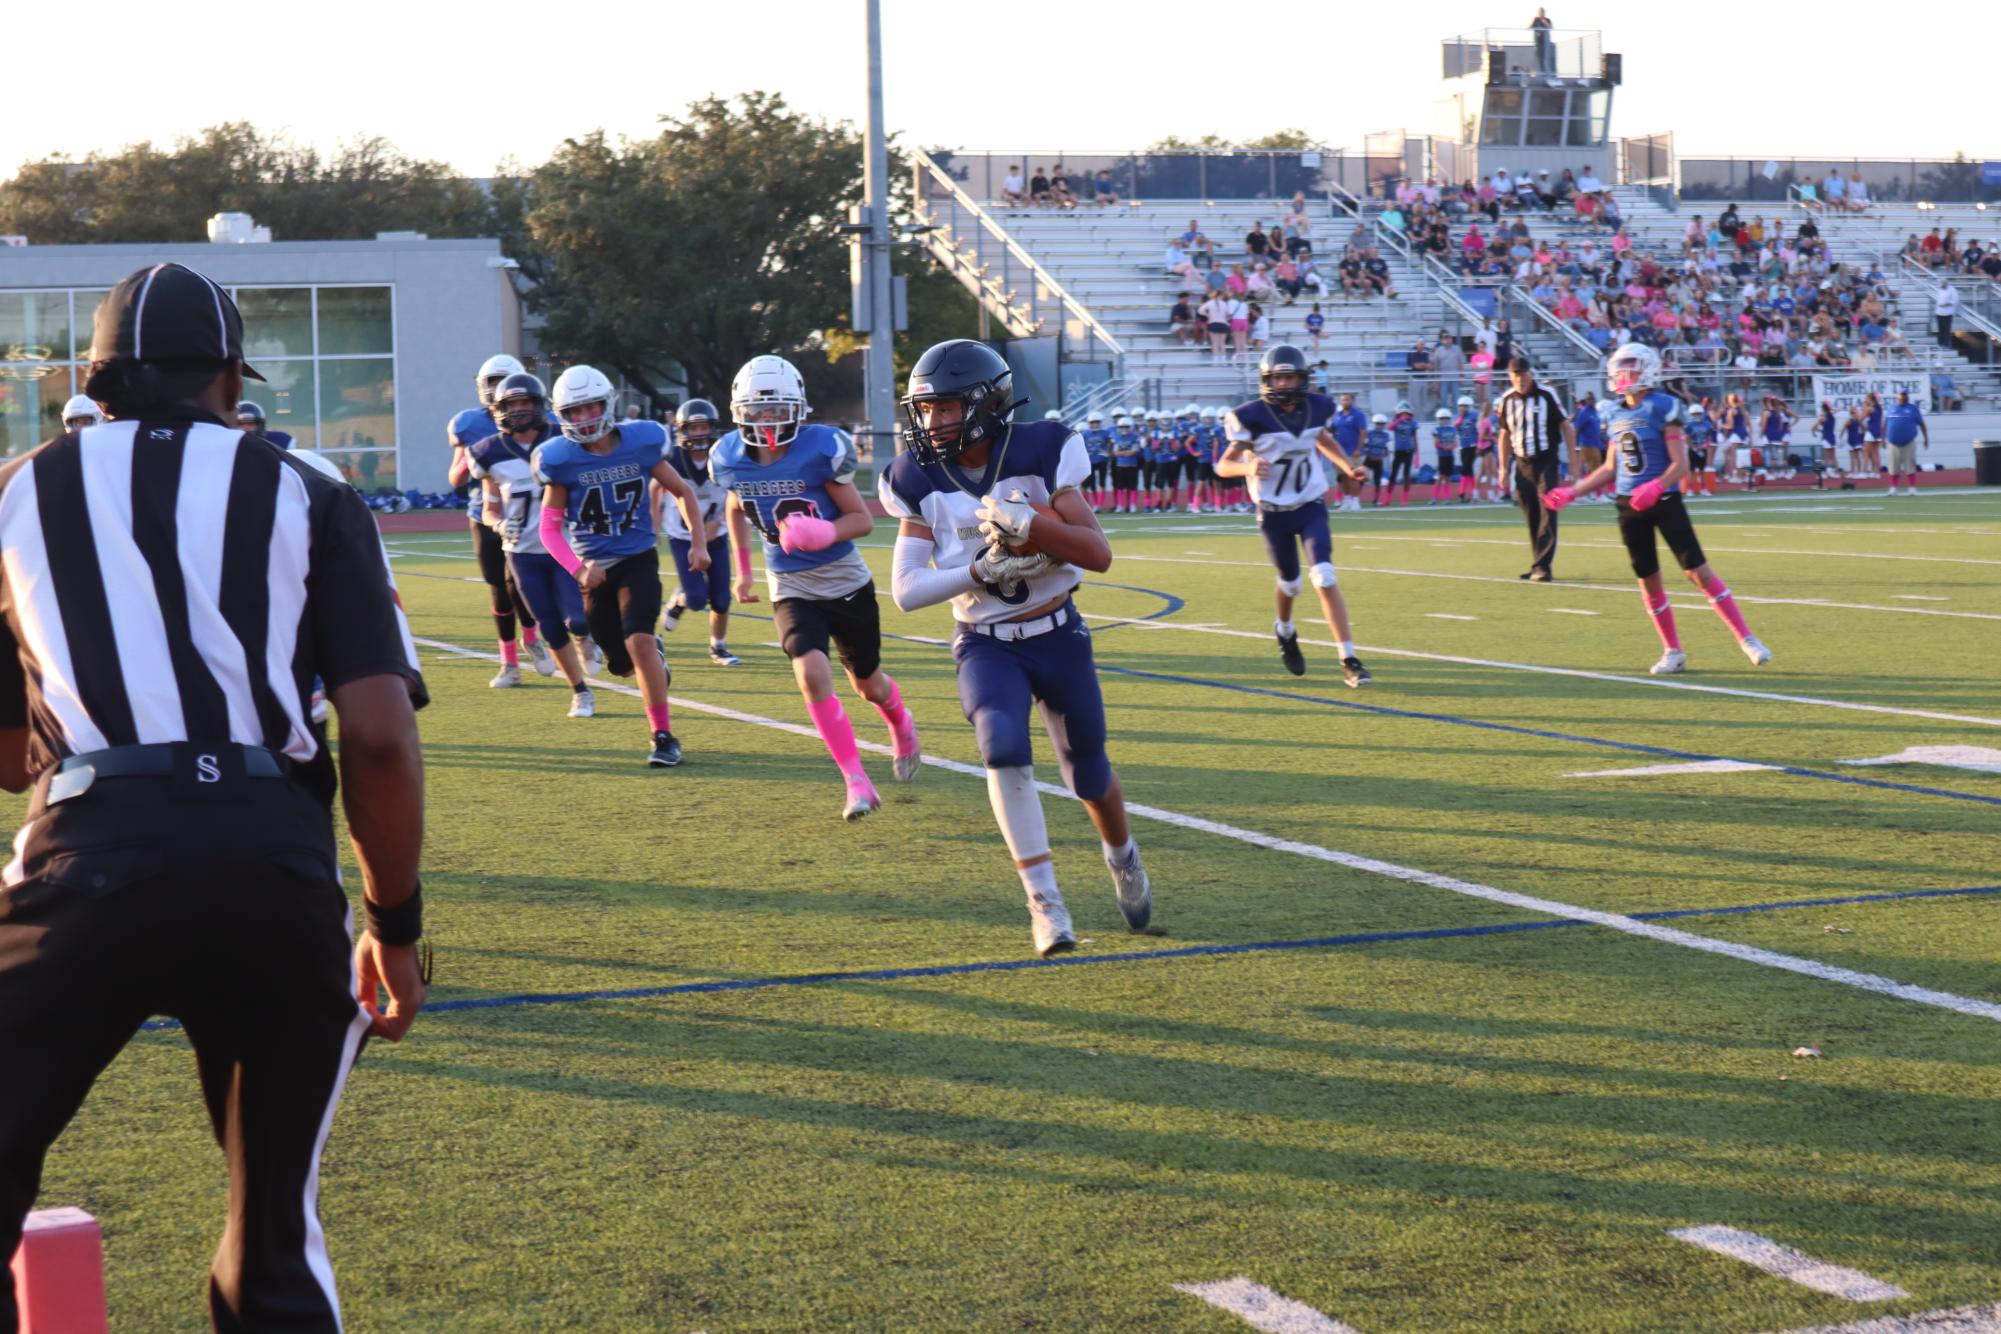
1261 1308
1409 875
1569 611
1766 1254
1959 1320
1738 551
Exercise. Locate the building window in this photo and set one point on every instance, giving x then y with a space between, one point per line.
328 355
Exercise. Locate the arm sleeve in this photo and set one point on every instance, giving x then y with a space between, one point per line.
557 541
914 583
351 604
842 457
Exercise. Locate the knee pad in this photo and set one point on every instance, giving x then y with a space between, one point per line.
1089 773
1323 575
1003 740
695 597
579 628
1289 587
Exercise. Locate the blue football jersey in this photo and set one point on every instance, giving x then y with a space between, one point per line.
794 483
1701 432
1639 434
1377 443
608 514
1403 434
1097 444
1468 426
1444 437
465 430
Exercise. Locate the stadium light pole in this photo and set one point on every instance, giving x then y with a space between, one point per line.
880 367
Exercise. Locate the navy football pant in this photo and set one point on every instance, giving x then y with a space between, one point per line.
1285 531
999 679
708 590
551 592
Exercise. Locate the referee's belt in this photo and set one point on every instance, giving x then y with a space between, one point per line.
74 776
1041 625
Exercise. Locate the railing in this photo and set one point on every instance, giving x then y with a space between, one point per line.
1806 201
1105 396
1889 181
1576 53
1549 320
949 245
1147 174
1978 310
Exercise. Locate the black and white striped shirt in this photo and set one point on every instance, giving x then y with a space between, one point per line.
175 579
1533 421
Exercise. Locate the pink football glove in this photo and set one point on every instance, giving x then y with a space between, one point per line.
1647 495
803 532
1558 496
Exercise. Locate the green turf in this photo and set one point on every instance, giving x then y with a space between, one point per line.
1471 1133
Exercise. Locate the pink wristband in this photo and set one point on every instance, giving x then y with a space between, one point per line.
743 562
556 541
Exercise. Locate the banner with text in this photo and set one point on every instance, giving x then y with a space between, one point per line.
1845 391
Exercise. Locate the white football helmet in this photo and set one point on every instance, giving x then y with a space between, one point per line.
491 372
1380 420
1122 422
1465 400
1052 416
80 412
768 401
1443 414
1207 414
1094 418
1697 410
1633 368
581 401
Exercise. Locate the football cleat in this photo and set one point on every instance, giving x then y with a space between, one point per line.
670 619
1755 651
666 751
1288 651
1049 921
1354 673
506 678
721 656
593 658
908 755
544 660
862 798
1671 663
583 704
1134 890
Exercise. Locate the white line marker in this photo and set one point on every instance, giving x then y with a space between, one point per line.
1766 1254
1655 682
1661 770
1198 553
1261 1308
1448 616
1980 759
1960 1320
1738 551
1918 597
1884 986
1570 611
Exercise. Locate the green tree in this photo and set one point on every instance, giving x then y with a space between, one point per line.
1278 141
695 250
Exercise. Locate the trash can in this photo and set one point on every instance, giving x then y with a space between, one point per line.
1987 462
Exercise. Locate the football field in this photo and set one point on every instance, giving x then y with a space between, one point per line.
1465 993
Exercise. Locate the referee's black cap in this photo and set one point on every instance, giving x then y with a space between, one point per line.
168 315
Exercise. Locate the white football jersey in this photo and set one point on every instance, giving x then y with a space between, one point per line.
1037 459
511 466
708 491
1297 474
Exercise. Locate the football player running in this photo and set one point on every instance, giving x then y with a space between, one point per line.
991 520
696 427
794 482
464 431
1647 466
594 480
1276 443
504 465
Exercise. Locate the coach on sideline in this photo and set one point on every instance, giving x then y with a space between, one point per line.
1532 424
170 589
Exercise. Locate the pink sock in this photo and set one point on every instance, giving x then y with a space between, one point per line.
903 728
1726 607
656 717
510 656
1663 620
530 635
839 734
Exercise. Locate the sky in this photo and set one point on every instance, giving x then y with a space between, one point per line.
1082 75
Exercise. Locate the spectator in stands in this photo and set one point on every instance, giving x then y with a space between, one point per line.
1179 265
1504 343
1060 192
1237 284
1377 271
1931 249
1945 305
1201 250
1858 193
1545 46
1834 191
1310 279
1990 264
1488 201
1181 321
1298 227
1102 188
1393 219
1286 278
1038 187
1013 192
1450 362
1589 183
1526 195
1260 327
1256 244
1945 391
1353 280
1240 323
1259 287
1215 313
1420 371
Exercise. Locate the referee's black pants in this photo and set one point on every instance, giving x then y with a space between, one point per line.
1535 477
149 896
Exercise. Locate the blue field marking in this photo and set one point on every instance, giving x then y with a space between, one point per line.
1137 956
1545 734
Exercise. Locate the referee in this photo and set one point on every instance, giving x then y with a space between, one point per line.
171 587
1532 424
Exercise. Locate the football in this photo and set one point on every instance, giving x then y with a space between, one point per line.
1029 548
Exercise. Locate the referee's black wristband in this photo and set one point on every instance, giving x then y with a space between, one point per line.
401 925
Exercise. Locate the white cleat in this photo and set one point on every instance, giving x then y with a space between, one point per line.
1755 651
506 678
862 799
1671 663
544 660
583 704
1050 922
1134 890
906 766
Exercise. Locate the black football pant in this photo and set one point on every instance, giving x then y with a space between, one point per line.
220 909
1534 479
508 604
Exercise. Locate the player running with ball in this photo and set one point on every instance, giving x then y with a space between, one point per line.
992 521
1276 444
1647 466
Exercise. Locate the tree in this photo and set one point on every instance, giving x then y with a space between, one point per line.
700 248
1278 141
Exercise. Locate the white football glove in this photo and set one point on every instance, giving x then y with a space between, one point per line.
1005 520
511 530
997 565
